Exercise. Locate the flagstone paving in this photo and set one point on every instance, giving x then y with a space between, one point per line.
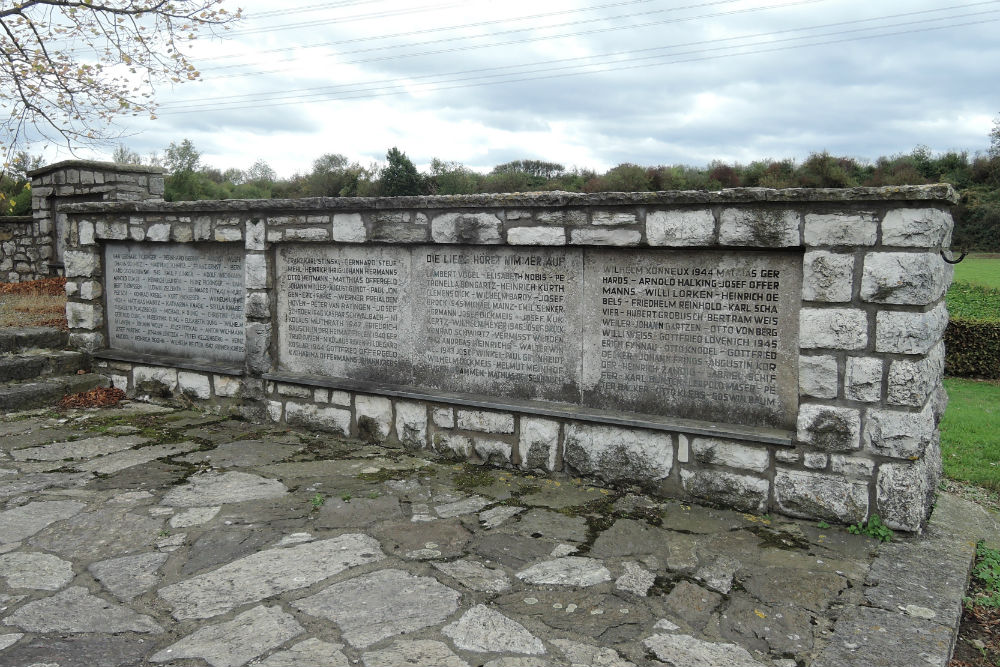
146 535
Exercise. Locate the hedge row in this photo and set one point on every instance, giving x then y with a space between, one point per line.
972 349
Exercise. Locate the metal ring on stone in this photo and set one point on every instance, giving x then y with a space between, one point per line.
953 261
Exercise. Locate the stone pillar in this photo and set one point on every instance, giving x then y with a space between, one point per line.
82 181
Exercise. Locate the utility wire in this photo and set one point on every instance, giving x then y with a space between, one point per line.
609 67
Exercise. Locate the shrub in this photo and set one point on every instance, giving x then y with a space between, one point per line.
972 348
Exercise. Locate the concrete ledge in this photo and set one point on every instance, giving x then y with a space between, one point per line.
170 362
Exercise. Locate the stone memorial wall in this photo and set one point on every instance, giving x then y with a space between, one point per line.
774 351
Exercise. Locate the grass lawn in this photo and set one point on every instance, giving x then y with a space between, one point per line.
979 270
970 432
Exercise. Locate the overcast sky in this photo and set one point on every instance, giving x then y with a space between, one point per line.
587 83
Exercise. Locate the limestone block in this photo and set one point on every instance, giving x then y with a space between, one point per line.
307 234
87 341
478 228
84 315
562 217
90 290
486 422
910 333
743 492
905 491
255 271
256 231
119 381
402 232
613 218
182 233
308 415
916 227
411 424
224 234
321 395
840 229
154 379
536 236
611 237
759 227
72 288
912 382
539 443
349 228
898 434
376 412
815 495
453 444
340 397
732 454
86 231
258 347
137 233
226 385
194 385
827 276
787 455
202 228
80 264
117 231
815 460
491 451
274 410
443 417
680 228
852 466
818 376
618 454
159 232
938 402
863 379
258 305
831 429
905 278
833 328
293 390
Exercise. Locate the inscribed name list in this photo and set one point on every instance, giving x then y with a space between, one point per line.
178 300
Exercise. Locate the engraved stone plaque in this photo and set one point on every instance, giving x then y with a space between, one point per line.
699 334
178 300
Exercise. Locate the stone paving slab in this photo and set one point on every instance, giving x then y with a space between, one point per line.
221 543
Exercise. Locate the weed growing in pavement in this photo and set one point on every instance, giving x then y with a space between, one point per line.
873 528
987 574
317 500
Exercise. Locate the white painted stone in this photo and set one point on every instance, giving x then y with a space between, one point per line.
833 328
609 237
484 630
275 409
311 416
678 228
254 237
443 417
84 315
829 428
618 454
86 231
460 445
226 385
341 398
76 610
732 454
683 449
214 488
159 233
150 378
20 523
818 376
909 333
308 653
897 434
413 652
194 516
235 642
915 227
863 379
38 571
767 228
538 445
469 505
827 276
690 652
819 495
636 579
567 571
492 452
267 573
492 518
349 228
545 236
411 424
475 576
77 449
905 278
224 234
376 408
129 576
376 606
840 229
486 422
195 385
477 228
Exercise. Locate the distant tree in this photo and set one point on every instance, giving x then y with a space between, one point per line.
994 149
626 177
123 155
400 177
261 172
71 67
538 169
453 178
183 157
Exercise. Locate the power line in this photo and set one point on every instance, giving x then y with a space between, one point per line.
607 67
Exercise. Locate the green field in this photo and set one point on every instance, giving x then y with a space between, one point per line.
970 432
981 270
